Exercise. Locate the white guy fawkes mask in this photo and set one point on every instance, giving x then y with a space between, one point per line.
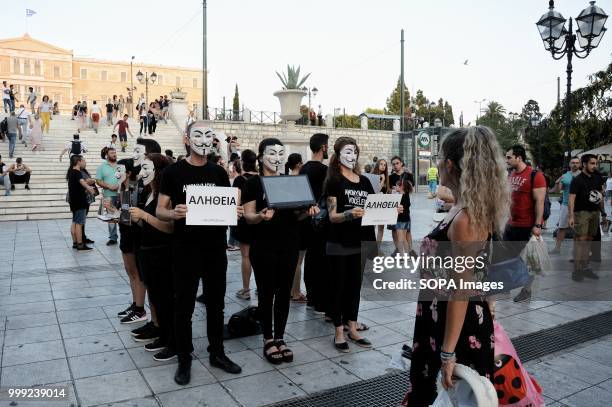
147 172
120 173
348 156
274 157
201 139
139 154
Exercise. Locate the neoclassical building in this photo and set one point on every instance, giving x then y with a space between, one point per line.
55 72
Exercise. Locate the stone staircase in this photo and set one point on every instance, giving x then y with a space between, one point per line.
46 197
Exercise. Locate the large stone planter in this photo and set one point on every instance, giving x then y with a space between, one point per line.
290 101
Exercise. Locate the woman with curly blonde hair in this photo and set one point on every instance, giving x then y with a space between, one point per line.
456 325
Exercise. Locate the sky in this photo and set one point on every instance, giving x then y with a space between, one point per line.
350 47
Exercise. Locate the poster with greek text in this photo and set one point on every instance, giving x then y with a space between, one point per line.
211 206
381 209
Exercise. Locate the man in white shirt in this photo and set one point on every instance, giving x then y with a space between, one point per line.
24 121
32 99
96 114
6 97
74 147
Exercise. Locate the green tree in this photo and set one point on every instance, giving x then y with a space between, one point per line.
393 101
236 104
495 110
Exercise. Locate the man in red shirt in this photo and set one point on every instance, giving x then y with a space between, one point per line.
123 127
527 208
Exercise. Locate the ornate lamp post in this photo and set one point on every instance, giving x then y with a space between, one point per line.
311 92
145 78
561 42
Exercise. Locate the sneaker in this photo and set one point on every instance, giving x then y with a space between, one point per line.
111 242
588 273
148 335
74 245
577 276
126 311
27 187
224 363
83 246
155 346
134 316
244 294
13 185
524 295
166 354
183 372
89 241
149 325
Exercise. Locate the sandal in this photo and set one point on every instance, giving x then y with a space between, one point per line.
276 357
299 299
363 342
244 294
287 353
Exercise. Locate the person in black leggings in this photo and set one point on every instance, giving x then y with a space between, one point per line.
154 257
273 252
346 192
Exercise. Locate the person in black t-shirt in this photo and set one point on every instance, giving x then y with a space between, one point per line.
315 261
197 251
401 230
274 251
77 197
109 113
584 207
243 232
346 193
399 169
154 257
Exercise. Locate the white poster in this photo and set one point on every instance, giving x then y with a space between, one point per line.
381 209
211 206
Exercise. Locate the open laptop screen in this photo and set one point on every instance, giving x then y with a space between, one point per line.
288 191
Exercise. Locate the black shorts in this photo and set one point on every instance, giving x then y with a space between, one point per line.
123 137
127 242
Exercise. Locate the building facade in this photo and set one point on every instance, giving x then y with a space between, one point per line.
55 72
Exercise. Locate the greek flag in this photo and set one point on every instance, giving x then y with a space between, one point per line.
30 13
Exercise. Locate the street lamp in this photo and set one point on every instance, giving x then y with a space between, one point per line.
480 102
561 42
534 122
311 92
145 78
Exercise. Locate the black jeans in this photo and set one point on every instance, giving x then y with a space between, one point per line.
346 275
143 124
19 179
156 266
517 238
274 271
190 263
316 268
152 125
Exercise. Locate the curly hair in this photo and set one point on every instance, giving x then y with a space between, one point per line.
334 173
481 179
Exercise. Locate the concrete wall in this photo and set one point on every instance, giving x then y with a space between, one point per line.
371 142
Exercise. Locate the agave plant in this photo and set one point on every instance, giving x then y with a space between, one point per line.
292 79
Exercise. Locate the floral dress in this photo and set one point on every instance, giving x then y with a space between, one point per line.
475 347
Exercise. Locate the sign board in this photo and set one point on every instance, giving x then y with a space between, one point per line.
381 209
424 140
211 206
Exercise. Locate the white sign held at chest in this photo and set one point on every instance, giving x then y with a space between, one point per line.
211 206
381 209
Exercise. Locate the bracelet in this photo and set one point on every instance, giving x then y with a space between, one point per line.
447 356
348 215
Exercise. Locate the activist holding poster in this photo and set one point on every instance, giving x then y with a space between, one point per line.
347 191
273 252
197 251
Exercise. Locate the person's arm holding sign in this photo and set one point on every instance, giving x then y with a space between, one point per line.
165 212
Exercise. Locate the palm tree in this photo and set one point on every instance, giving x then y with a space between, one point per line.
495 110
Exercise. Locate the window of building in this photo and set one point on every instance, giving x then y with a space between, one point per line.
56 72
83 73
26 66
104 76
16 67
195 82
123 77
38 68
178 81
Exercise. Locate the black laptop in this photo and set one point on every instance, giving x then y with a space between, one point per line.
288 192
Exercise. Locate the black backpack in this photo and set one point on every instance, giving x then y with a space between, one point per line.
244 323
4 126
547 203
76 147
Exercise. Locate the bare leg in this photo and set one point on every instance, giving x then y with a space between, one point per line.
560 239
138 290
297 278
245 266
